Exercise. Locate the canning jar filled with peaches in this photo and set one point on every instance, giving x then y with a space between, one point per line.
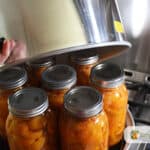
83 63
35 69
83 123
11 80
109 80
57 80
26 124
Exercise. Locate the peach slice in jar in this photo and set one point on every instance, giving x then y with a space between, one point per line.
37 123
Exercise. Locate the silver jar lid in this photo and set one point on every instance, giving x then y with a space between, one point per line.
107 75
28 102
85 57
83 102
59 77
49 61
12 77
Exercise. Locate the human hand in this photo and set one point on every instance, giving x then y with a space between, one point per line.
12 51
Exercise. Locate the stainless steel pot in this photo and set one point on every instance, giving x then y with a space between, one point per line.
54 27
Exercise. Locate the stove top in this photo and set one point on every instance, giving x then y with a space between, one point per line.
139 102
138 85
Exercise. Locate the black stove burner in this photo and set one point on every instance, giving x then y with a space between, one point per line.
133 85
139 102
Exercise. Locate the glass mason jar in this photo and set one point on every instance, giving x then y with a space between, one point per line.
83 124
109 80
35 69
57 80
11 80
26 124
83 63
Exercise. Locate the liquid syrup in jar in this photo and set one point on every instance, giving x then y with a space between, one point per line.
109 80
26 124
83 122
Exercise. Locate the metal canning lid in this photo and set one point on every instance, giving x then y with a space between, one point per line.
85 57
12 77
28 102
107 75
83 102
59 77
41 62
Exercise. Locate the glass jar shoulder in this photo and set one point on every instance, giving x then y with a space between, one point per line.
65 116
120 88
119 92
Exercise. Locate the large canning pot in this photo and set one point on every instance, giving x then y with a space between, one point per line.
55 27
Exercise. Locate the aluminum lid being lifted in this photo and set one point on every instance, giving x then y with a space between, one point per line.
28 102
83 102
85 57
59 77
12 77
107 75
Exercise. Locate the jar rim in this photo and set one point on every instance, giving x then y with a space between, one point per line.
59 77
43 62
85 57
107 75
12 77
28 102
83 102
